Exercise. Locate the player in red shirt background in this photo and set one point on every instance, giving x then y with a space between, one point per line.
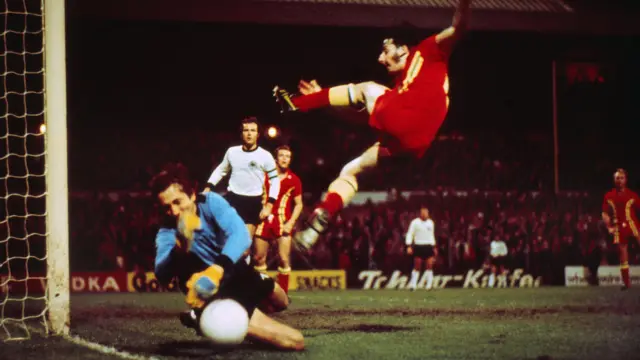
278 226
408 116
619 209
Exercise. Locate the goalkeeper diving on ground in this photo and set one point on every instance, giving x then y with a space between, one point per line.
204 243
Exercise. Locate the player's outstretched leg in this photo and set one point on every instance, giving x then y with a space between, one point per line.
342 95
270 331
339 194
354 95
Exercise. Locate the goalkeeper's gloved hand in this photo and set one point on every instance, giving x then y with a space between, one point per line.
203 285
187 224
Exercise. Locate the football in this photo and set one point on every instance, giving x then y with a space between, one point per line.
224 322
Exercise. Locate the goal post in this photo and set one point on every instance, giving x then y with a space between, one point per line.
34 204
57 198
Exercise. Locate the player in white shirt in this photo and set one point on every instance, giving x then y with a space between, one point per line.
498 252
421 243
248 165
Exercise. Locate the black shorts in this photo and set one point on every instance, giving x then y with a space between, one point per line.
248 207
498 261
423 251
243 284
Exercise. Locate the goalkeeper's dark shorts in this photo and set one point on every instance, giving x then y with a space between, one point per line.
244 284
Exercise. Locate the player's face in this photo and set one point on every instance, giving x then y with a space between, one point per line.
424 213
284 159
249 134
393 57
176 202
620 179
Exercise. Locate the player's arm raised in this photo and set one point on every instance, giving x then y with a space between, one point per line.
448 37
274 186
219 173
166 246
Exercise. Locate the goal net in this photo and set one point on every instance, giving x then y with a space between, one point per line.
33 242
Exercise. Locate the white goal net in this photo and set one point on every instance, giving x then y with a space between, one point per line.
27 304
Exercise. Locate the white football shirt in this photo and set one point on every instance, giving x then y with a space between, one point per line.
248 171
421 232
498 248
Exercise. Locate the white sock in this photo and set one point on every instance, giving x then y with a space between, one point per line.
414 279
492 280
429 279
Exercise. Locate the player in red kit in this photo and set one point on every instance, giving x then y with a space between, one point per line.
619 215
277 227
408 116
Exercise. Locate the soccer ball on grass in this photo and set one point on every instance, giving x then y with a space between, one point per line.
224 322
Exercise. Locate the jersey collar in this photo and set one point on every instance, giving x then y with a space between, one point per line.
248 151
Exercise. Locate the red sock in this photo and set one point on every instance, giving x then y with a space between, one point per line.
283 279
332 203
312 101
624 271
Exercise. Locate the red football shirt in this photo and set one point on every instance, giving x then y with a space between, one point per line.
290 187
415 108
622 205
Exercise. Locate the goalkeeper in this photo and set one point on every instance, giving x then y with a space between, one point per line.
203 242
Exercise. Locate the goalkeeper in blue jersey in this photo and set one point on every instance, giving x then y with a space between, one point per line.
204 242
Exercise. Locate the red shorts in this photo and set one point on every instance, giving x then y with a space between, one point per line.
270 229
408 124
624 234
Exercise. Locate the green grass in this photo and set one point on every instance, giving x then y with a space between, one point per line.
556 323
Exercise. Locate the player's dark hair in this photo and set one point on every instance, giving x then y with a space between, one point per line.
405 34
283 147
250 120
172 173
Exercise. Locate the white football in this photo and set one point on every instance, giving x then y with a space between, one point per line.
224 322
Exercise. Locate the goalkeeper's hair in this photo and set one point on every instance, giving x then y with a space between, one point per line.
172 173
249 120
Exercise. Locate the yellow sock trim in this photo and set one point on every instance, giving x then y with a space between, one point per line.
261 268
340 96
284 271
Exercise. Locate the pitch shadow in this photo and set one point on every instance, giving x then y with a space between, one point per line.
365 328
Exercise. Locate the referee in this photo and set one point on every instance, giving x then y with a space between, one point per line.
421 243
249 165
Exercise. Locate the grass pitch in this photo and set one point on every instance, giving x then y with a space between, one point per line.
543 323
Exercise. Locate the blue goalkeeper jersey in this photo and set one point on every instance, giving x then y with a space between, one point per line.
222 232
